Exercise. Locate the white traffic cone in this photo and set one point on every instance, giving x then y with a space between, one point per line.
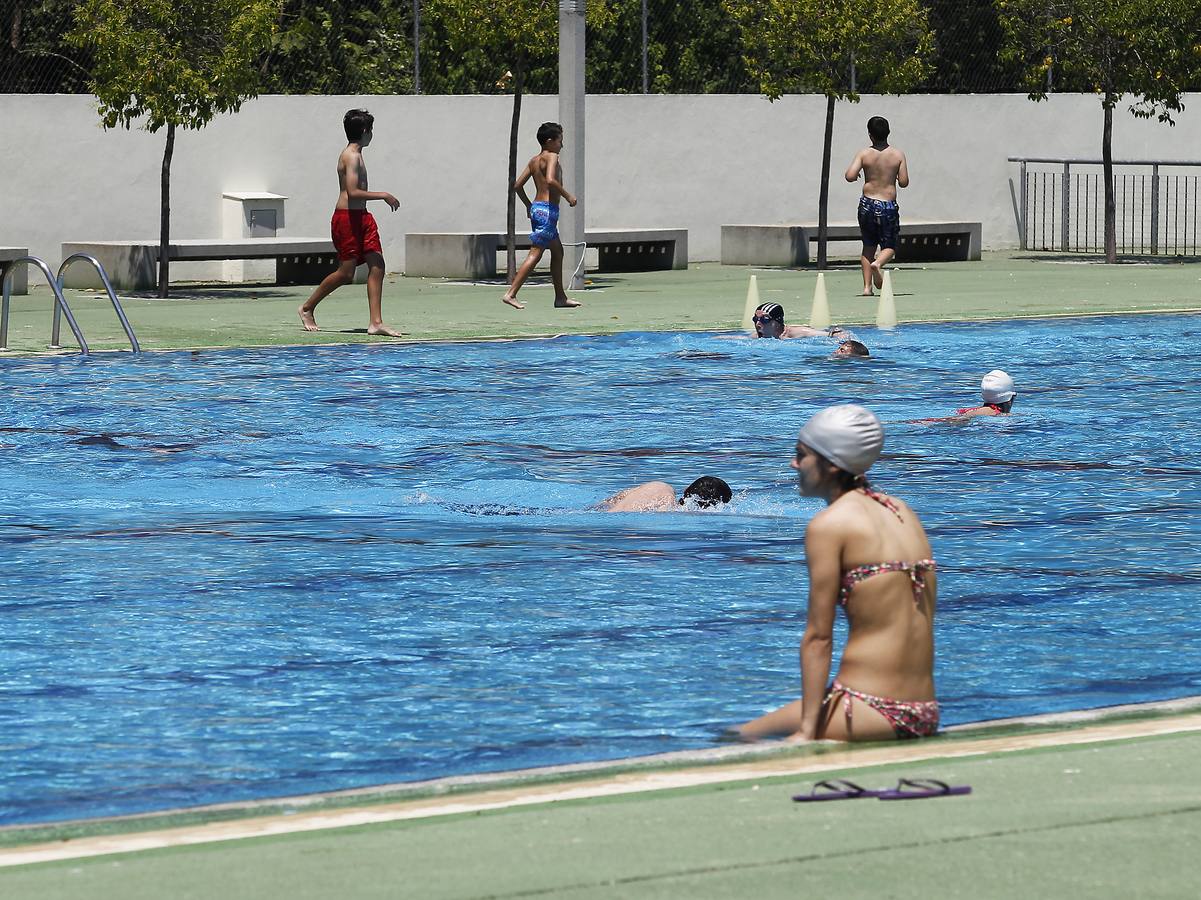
886 311
752 303
819 317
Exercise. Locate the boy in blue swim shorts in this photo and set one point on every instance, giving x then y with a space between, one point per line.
544 214
884 169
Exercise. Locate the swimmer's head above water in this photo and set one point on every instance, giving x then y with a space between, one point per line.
997 390
707 491
851 348
768 320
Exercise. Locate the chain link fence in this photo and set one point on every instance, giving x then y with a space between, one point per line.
389 47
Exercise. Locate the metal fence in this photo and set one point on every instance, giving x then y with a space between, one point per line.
390 47
1157 204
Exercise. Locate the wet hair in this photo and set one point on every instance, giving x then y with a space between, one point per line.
707 491
548 131
771 310
877 127
857 348
357 123
1007 405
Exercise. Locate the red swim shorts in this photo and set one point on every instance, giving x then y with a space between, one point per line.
355 234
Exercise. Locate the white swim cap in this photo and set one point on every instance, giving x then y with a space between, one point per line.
997 387
849 436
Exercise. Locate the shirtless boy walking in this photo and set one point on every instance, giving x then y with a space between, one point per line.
356 237
884 169
544 214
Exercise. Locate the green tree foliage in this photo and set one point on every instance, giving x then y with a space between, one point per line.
967 59
691 48
34 58
334 47
173 63
830 47
1148 50
508 40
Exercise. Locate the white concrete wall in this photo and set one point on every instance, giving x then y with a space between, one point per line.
692 161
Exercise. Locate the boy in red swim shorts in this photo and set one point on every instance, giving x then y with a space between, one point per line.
356 237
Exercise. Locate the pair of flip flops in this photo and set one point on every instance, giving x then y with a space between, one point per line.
906 789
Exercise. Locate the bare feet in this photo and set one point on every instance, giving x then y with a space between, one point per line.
382 329
307 320
567 303
512 301
867 292
877 276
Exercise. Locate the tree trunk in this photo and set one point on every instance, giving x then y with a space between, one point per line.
511 209
164 233
823 200
1111 239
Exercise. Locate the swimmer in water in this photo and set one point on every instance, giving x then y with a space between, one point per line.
997 394
769 323
852 349
868 553
659 496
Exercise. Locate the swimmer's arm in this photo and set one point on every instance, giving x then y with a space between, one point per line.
351 180
903 172
856 166
552 179
823 553
519 186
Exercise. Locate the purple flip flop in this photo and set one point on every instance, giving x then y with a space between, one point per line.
836 789
922 788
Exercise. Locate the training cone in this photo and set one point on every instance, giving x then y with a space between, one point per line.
752 303
886 311
820 316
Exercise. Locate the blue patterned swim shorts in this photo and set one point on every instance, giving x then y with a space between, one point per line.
545 219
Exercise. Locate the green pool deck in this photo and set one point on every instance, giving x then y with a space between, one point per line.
1092 808
705 297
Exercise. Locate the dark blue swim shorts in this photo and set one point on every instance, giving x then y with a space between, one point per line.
879 222
544 217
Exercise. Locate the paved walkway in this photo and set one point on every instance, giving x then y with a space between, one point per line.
705 297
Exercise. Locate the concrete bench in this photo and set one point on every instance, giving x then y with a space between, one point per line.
20 283
788 245
133 265
472 254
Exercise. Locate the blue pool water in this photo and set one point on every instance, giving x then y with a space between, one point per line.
230 575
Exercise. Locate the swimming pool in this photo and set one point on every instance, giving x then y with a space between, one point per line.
241 574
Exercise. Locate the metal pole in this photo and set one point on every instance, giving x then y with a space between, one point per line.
416 46
645 80
571 116
1154 210
1065 214
1025 200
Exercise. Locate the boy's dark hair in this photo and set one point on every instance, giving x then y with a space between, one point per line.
857 348
548 131
357 122
707 491
877 127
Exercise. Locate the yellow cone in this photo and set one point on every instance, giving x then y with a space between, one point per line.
820 316
752 303
886 311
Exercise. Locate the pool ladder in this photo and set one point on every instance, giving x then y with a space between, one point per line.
61 306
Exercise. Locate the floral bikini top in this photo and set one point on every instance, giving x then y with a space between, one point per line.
916 570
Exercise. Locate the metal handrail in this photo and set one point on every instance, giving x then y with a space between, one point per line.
1098 162
59 301
95 263
1063 216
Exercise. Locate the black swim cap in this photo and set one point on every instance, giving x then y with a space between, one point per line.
771 311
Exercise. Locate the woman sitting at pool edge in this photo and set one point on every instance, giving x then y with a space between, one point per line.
867 552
